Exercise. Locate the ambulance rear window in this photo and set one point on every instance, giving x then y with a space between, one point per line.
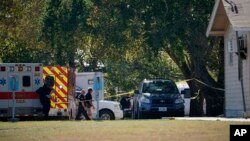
26 81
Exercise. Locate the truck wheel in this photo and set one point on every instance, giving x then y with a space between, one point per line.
107 115
180 113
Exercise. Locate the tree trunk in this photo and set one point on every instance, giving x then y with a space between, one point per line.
203 87
71 88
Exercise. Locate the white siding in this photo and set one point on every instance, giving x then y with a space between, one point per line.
233 90
246 77
247 73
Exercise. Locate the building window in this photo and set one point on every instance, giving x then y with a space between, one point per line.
231 59
243 46
231 49
90 82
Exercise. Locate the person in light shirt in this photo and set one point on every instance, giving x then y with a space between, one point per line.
88 103
82 107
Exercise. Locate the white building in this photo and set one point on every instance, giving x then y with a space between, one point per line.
232 21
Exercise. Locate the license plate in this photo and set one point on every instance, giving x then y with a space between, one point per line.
162 109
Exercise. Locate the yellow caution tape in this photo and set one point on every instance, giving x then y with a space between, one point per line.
195 97
220 89
117 95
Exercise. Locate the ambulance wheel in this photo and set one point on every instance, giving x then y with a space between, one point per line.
107 115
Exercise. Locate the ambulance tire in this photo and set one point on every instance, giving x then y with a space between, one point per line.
106 115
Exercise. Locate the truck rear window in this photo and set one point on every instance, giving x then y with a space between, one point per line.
159 87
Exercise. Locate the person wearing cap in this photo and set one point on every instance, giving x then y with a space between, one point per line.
82 107
89 103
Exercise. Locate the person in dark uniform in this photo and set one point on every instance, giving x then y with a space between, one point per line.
125 102
89 103
82 107
44 94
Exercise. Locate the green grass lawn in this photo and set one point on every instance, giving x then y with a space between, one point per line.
121 130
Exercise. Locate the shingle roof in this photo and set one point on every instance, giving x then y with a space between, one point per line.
225 13
240 20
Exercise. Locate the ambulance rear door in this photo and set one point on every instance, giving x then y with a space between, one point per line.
24 83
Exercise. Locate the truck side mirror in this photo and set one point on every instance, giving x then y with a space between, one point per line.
183 92
136 91
186 92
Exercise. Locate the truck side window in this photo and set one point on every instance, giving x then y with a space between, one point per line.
26 81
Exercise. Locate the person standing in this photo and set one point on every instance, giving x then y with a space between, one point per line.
89 103
44 94
82 107
125 102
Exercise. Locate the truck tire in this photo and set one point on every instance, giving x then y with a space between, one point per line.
181 113
106 115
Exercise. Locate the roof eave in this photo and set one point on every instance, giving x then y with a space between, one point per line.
216 33
211 22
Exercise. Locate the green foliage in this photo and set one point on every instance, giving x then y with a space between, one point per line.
63 23
18 31
126 75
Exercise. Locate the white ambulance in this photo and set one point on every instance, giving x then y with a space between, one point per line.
18 83
108 110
